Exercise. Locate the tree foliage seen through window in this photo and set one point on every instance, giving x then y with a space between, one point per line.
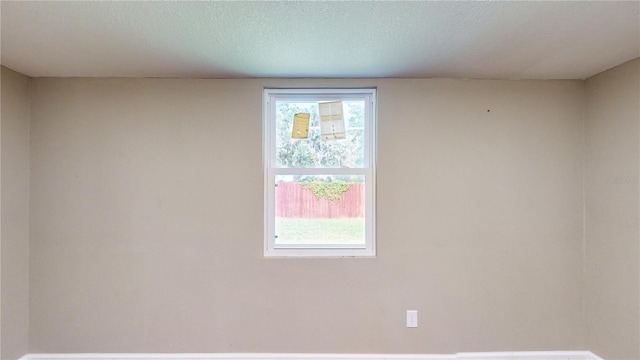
314 151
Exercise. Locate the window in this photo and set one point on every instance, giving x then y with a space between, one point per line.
320 177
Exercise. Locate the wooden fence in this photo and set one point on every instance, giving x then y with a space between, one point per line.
293 201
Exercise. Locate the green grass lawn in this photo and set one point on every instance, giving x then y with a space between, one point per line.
319 231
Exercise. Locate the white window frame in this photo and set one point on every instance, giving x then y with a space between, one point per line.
271 95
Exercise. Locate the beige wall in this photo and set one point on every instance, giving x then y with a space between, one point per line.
146 222
612 211
15 215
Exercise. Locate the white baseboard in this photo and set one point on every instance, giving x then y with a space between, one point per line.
594 357
529 355
518 355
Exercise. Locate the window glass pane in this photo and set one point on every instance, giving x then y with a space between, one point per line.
321 210
314 152
354 113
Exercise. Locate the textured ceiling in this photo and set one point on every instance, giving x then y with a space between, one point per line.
498 40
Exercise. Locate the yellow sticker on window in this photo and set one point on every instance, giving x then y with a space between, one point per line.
300 126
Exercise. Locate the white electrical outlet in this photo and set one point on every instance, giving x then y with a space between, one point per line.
412 318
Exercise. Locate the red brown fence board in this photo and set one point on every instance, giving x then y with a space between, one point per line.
293 201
